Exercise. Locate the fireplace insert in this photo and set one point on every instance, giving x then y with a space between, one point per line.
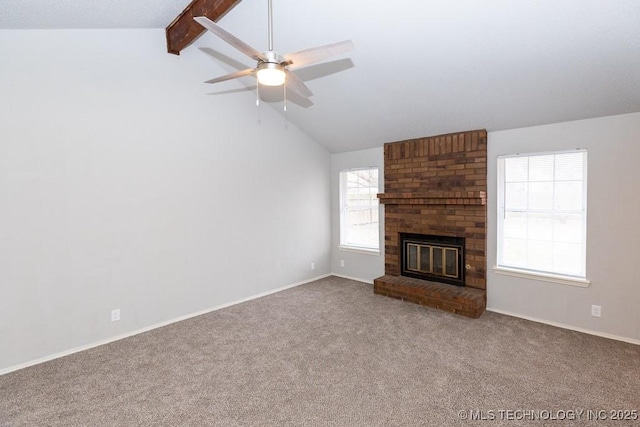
434 258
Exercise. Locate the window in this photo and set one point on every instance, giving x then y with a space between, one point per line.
359 216
542 215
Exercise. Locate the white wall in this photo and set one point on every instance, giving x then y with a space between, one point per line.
613 230
124 185
357 265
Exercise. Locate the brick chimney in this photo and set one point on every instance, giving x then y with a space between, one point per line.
437 186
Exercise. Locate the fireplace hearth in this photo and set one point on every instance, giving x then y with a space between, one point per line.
435 222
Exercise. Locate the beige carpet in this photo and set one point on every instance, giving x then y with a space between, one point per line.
331 353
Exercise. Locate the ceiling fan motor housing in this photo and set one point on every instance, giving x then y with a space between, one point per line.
271 72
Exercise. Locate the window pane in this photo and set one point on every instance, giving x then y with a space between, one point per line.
516 196
568 196
540 226
569 166
514 253
361 229
541 195
373 176
515 225
516 169
567 258
568 228
541 168
540 255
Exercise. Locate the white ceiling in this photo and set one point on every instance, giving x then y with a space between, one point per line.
41 14
419 67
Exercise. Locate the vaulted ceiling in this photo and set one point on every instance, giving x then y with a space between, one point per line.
419 67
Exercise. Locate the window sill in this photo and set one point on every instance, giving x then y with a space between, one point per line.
359 249
546 277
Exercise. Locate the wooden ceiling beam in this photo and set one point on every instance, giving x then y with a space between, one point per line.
184 30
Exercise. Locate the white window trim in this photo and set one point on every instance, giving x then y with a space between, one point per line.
545 277
535 274
359 249
368 250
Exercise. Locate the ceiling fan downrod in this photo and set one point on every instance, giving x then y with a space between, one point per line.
270 26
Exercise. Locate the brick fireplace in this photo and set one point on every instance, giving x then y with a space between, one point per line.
436 187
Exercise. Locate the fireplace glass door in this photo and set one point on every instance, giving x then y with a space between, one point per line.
432 259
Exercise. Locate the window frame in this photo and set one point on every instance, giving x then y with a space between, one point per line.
370 250
549 276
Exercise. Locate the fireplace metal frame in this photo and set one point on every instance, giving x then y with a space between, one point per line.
444 242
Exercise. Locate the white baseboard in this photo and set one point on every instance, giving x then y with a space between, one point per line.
357 279
565 326
155 326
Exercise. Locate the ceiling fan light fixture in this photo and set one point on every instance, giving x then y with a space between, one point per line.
274 69
270 74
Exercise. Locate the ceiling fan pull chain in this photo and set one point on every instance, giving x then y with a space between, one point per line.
285 96
257 94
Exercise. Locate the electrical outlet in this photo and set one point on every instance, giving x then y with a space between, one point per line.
115 315
341 263
596 310
313 265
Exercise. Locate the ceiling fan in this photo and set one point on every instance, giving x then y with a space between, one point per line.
272 68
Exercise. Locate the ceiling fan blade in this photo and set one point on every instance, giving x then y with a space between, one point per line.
229 38
316 54
233 75
294 83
